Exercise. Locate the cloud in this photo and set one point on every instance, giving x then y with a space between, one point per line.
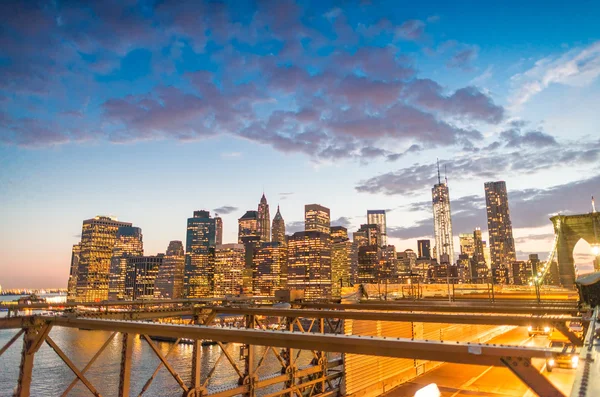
463 58
514 138
293 227
342 221
534 237
411 30
226 209
577 67
231 154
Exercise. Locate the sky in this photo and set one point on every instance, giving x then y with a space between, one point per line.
149 110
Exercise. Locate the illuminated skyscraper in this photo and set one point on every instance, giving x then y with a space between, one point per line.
264 220
309 264
467 244
377 217
98 236
278 229
502 244
127 245
199 260
169 281
229 265
388 263
372 232
316 217
478 247
368 264
218 230
341 259
424 249
442 222
248 226
269 271
141 275
72 284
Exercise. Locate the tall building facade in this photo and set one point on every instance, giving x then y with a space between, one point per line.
478 247
368 264
269 270
442 222
388 265
317 218
141 276
372 232
502 244
341 260
248 226
264 220
229 265
199 261
377 217
169 280
309 263
278 229
424 249
218 230
72 283
98 236
128 244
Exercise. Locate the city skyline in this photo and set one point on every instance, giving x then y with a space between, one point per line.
154 110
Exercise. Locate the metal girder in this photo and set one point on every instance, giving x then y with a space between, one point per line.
72 366
453 308
11 341
589 361
529 375
168 366
34 337
463 353
125 373
484 319
158 367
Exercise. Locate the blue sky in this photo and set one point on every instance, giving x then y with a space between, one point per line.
150 110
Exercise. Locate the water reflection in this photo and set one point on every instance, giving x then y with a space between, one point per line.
51 376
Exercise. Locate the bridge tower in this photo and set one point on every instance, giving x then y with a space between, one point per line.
570 229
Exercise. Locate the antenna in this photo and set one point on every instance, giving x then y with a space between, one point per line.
438 168
445 175
593 205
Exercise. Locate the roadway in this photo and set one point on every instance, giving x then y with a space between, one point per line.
456 380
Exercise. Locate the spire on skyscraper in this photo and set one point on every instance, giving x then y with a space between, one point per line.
264 220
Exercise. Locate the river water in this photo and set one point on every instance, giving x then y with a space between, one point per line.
51 376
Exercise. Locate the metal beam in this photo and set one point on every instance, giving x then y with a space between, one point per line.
529 375
11 341
168 366
462 353
484 319
126 353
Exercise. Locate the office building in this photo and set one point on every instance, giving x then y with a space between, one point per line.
377 217
141 276
229 266
199 259
317 218
128 244
522 272
442 221
264 220
388 264
368 264
467 244
502 244
72 283
169 280
98 236
309 263
269 271
478 247
341 260
372 233
278 229
248 226
424 249
218 230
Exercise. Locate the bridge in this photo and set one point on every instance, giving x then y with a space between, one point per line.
319 348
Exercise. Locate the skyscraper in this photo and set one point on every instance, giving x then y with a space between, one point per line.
502 244
368 263
141 275
169 280
378 217
264 220
98 236
478 245
467 244
442 221
218 230
199 260
372 232
341 259
278 229
424 249
309 263
248 226
72 283
128 244
316 217
269 271
229 265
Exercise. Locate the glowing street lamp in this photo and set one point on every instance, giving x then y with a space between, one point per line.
596 249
